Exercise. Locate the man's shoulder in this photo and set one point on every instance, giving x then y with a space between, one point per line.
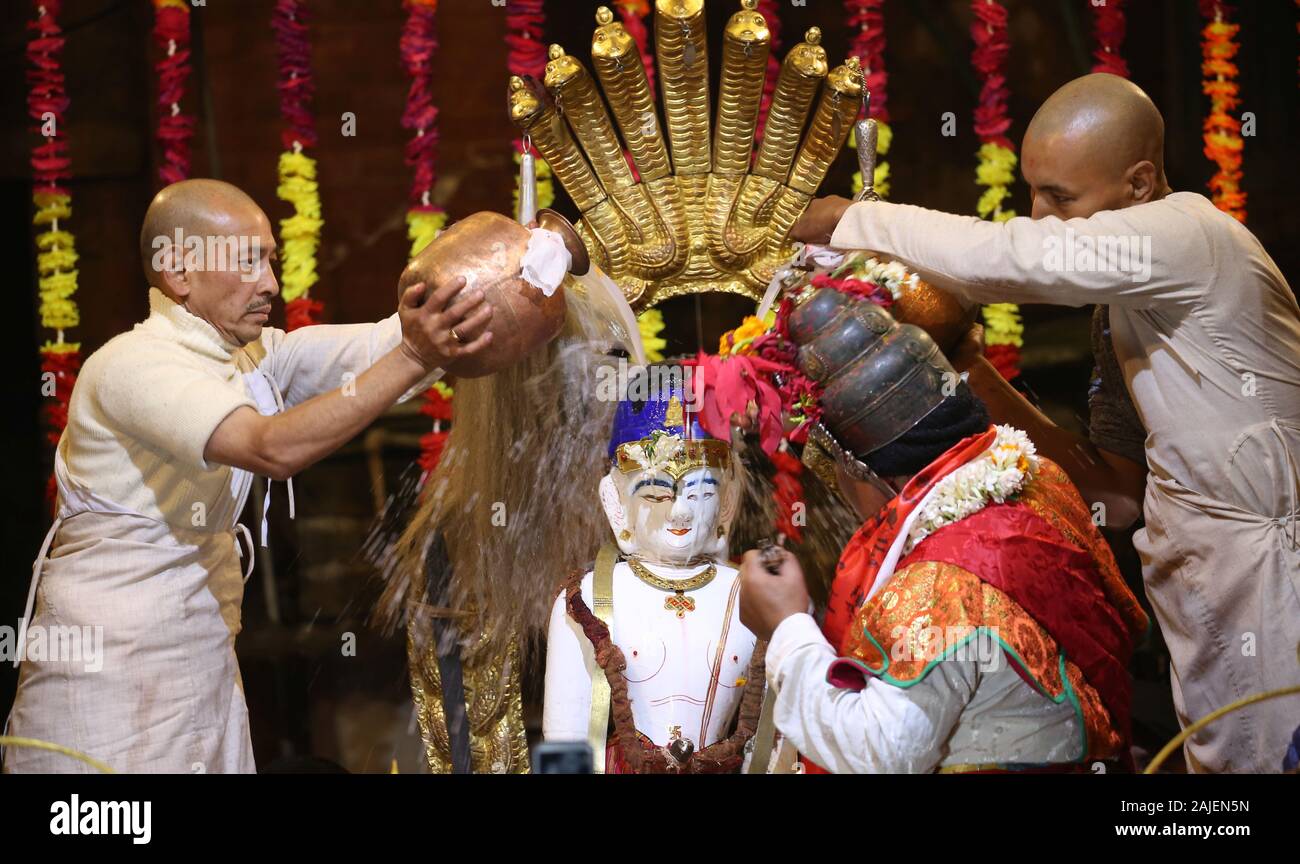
125 350
1223 232
137 353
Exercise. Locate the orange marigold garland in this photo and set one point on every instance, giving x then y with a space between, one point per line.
996 171
299 233
1222 131
56 250
171 32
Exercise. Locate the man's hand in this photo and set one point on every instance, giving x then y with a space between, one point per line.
818 222
767 599
427 324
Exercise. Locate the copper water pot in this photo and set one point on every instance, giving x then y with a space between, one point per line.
487 248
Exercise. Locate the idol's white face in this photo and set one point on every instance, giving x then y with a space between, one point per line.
673 521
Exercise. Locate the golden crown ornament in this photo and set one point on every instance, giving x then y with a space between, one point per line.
702 213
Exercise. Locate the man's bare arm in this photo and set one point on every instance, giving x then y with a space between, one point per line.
281 445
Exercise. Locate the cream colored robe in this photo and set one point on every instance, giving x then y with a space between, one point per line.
1209 345
144 550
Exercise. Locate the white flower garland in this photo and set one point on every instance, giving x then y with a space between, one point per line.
996 475
893 276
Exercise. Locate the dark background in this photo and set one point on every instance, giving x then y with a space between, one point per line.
304 697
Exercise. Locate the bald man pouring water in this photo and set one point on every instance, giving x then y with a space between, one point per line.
167 425
1206 332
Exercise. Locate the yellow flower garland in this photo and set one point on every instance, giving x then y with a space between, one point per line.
55 263
997 171
651 324
299 233
422 226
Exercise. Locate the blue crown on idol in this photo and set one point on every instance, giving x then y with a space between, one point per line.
665 411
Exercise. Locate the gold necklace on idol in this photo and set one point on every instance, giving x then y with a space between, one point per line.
677 601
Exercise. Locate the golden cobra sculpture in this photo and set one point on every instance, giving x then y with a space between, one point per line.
702 212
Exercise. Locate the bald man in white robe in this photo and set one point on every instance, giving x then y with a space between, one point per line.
1206 331
166 426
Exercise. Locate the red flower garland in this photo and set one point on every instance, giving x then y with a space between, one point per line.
300 234
1109 27
437 406
47 105
862 288
296 83
989 30
789 492
171 33
526 50
418 44
866 21
997 162
46 94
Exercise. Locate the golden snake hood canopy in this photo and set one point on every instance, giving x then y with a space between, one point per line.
702 213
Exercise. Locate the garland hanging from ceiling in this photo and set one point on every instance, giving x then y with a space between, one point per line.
526 56
424 219
1222 131
419 43
997 165
56 248
171 33
299 233
1108 28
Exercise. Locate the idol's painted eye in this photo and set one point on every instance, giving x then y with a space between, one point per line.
654 498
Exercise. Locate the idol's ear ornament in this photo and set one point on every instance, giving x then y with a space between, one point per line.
616 510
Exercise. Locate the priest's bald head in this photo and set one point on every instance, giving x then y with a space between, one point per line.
208 246
1096 144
